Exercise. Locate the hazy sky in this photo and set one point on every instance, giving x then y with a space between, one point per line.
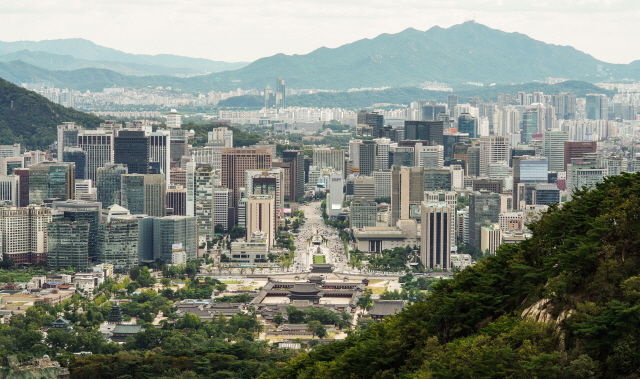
245 30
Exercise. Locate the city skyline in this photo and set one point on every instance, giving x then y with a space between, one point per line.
246 31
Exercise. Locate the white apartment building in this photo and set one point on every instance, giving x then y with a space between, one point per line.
222 134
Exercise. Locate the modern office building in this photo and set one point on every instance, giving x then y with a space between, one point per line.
7 151
76 210
495 186
452 102
109 183
174 120
367 157
280 93
363 213
382 154
553 149
8 164
407 192
23 186
492 149
9 185
596 107
160 152
431 131
402 156
67 137
171 230
221 134
51 179
584 173
473 161
235 162
267 182
177 200
261 217
68 243
364 187
529 124
484 209
117 244
546 194
23 234
296 181
204 201
77 156
98 147
521 151
335 197
577 150
437 223
131 148
155 195
430 156
132 193
326 157
382 183
222 212
438 180
468 124
490 238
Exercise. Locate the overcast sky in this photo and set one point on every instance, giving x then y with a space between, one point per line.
245 30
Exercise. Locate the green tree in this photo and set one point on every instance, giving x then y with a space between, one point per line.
315 327
134 273
278 319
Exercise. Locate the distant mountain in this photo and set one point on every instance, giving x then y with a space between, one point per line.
31 120
105 57
461 53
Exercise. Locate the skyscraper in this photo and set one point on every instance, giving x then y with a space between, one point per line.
98 146
90 212
51 179
367 157
155 195
23 234
437 223
261 216
204 201
597 107
117 244
77 156
132 193
296 157
68 244
529 124
452 102
577 150
468 124
281 93
174 120
407 191
109 183
325 157
131 147
172 230
67 136
554 149
235 162
484 209
492 149
431 131
160 151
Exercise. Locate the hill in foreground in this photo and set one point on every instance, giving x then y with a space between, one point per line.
562 304
31 120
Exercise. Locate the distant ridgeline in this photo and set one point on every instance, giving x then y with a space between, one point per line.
562 304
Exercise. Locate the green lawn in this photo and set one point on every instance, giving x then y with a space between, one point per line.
318 259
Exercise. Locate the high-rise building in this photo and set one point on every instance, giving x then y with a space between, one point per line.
204 201
109 183
402 156
335 196
235 162
430 156
407 191
577 150
23 234
160 152
492 149
554 149
191 188
172 230
177 200
9 151
222 208
98 146
584 172
90 212
296 157
281 93
23 186
77 156
546 194
437 224
364 187
131 147
132 193
529 124
8 164
266 182
363 213
325 157
438 180
261 216
383 183
367 157
174 120
521 151
117 244
68 244
484 208
468 124
596 107
431 131
9 189
452 102
527 172
51 179
473 161
67 136
155 195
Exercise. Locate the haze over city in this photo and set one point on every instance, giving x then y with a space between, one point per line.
246 30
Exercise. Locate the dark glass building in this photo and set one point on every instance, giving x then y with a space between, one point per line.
79 157
131 147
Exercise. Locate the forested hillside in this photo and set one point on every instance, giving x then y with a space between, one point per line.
562 304
31 120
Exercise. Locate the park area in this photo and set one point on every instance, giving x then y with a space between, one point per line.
318 259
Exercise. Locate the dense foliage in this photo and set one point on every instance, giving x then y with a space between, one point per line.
31 120
576 281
